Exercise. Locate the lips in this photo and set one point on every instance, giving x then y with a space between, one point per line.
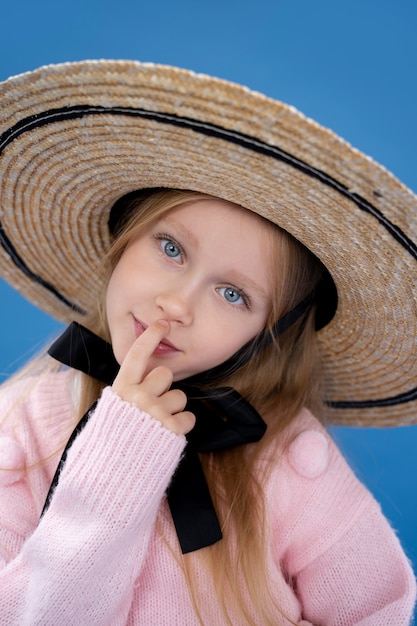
164 347
139 327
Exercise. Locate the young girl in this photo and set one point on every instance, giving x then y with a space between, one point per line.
234 276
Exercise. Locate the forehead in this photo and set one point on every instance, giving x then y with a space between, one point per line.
218 216
231 237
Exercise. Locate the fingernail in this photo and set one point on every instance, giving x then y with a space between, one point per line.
164 323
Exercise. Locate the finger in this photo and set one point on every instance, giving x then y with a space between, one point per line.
180 423
169 403
157 381
136 360
161 407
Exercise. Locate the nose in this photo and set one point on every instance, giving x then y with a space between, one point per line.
176 305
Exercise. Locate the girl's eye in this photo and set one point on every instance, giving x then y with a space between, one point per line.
234 296
171 248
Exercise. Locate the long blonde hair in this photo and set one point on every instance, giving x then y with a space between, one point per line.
278 381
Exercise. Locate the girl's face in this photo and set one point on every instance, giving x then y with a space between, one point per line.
205 268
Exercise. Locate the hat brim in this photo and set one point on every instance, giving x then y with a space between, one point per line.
76 137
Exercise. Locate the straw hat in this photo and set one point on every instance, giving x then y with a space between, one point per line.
75 137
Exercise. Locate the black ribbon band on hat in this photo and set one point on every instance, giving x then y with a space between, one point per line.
223 419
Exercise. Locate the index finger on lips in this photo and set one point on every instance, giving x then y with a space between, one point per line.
136 360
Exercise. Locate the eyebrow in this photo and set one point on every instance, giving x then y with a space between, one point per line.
241 280
245 282
183 230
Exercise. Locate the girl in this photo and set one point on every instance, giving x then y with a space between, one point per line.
166 462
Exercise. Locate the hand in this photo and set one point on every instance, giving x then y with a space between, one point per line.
151 392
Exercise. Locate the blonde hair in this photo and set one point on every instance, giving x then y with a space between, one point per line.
278 381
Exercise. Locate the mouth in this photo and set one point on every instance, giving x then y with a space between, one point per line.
164 346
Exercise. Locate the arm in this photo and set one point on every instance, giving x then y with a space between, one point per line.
361 580
346 563
80 563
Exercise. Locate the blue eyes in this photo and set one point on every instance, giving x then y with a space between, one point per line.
171 249
174 251
231 295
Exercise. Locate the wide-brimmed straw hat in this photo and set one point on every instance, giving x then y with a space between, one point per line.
76 137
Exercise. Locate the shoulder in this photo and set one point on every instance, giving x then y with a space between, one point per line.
308 452
42 388
314 497
35 413
311 462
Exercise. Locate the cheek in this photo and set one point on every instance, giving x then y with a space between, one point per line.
122 281
112 297
223 342
116 301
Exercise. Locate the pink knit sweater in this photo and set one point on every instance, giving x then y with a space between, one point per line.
106 552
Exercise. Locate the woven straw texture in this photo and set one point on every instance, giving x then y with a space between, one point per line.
75 137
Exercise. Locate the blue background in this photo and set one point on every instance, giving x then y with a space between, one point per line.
352 66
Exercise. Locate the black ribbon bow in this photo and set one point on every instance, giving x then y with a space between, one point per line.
223 419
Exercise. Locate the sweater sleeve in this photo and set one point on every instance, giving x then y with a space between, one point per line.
80 563
344 560
363 579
